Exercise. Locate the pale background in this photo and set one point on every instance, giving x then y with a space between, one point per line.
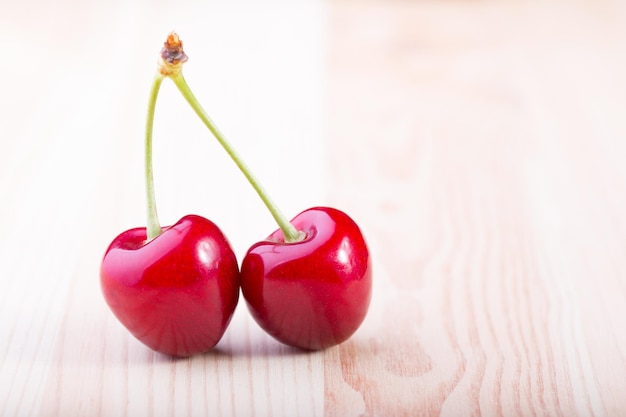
479 144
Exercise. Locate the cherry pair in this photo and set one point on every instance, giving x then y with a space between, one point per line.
176 288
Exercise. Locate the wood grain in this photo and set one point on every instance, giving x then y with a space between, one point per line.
483 141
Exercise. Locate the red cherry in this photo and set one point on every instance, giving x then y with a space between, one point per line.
313 293
176 293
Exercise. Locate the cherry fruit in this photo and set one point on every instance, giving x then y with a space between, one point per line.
176 293
313 293
175 289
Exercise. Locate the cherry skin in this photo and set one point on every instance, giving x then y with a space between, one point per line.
176 293
313 293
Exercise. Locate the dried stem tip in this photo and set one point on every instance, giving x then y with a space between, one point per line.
172 55
172 51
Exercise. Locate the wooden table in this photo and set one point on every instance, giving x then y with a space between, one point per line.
479 144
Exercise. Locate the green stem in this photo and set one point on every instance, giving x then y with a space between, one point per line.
153 228
289 231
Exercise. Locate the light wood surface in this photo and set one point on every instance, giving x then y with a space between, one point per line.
488 142
479 144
